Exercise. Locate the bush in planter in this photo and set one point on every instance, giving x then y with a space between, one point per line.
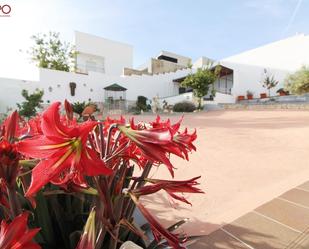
79 170
282 92
249 95
141 103
184 106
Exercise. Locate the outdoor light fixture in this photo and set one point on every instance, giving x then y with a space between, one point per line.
72 87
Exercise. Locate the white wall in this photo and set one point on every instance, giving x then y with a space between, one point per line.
248 77
171 100
287 54
56 86
10 92
116 55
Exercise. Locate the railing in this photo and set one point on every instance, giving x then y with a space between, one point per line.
83 68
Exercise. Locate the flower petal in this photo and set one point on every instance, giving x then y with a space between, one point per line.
40 146
92 164
48 169
51 124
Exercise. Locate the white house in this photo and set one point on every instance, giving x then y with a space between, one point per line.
101 62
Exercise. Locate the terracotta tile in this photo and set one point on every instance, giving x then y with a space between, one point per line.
298 196
261 233
217 240
286 213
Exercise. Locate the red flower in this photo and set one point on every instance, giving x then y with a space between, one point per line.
157 229
8 162
10 127
61 148
171 187
17 235
158 139
151 143
87 240
68 109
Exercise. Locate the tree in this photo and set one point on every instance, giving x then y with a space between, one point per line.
50 52
298 82
201 81
33 101
269 82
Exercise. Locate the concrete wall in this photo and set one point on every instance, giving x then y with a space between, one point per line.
162 66
181 60
116 55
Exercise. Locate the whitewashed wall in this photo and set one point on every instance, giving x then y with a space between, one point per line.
248 77
116 55
287 54
10 92
56 86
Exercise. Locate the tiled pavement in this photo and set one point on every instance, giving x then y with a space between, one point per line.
282 223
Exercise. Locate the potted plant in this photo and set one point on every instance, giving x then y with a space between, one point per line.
77 180
249 95
240 97
263 95
282 92
269 82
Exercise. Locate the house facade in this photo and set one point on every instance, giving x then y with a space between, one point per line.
101 62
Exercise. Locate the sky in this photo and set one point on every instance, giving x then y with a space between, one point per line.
193 28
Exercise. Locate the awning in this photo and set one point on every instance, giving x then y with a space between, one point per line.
115 87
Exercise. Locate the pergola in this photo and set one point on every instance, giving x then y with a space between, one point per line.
115 92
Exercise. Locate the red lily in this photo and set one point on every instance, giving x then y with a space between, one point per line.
8 162
159 139
171 187
10 127
68 109
61 148
17 235
157 229
151 142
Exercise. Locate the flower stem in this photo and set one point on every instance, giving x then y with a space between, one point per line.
13 201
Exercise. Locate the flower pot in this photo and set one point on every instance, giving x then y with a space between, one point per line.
250 96
282 93
263 95
240 98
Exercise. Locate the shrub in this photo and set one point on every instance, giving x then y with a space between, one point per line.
78 107
298 82
184 106
33 101
141 103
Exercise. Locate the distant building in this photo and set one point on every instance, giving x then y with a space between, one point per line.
101 63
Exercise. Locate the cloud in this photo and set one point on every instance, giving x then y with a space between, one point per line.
274 8
292 18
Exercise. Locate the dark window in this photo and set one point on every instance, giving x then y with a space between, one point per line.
167 58
182 90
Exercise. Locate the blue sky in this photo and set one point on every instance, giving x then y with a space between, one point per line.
193 28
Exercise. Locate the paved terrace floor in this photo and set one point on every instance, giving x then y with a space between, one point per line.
246 159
